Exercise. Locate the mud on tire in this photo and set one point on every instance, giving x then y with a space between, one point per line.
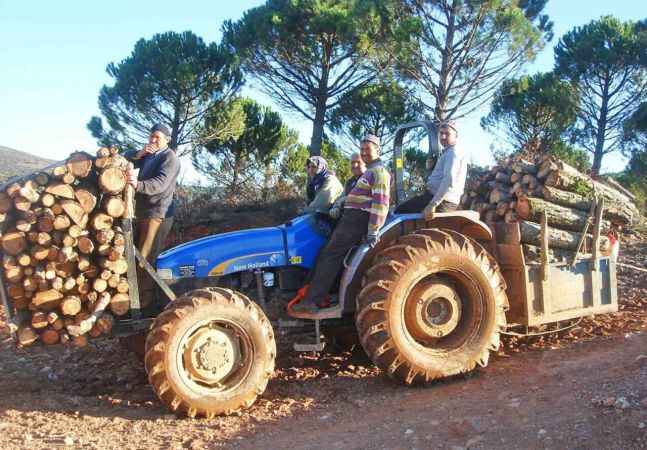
211 352
431 306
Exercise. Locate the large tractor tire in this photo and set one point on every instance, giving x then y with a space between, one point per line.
211 352
432 305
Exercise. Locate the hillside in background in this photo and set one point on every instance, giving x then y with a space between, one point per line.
14 163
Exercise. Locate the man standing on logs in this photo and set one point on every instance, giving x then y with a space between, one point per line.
158 167
446 183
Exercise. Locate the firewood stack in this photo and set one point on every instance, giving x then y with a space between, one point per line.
63 249
521 190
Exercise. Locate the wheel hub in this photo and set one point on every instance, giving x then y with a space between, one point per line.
435 311
211 354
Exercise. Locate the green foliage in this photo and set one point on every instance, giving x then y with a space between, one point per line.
635 132
172 78
534 112
377 108
634 178
457 53
293 165
415 172
307 54
242 160
605 60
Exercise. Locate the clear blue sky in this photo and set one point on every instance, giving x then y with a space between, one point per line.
54 56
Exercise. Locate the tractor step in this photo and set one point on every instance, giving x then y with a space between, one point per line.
315 345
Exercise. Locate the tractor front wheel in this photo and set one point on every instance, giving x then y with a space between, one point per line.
211 352
432 305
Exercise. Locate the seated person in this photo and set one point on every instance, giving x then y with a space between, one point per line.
365 211
323 186
357 168
446 183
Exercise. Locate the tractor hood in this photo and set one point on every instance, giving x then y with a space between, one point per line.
224 253
295 243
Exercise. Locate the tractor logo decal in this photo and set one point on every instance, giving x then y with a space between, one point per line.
242 263
296 259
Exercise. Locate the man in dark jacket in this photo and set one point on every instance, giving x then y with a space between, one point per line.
154 186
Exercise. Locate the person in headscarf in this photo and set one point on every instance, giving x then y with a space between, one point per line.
323 186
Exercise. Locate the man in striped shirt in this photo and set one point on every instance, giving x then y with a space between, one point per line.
365 211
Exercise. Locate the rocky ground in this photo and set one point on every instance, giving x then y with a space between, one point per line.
585 387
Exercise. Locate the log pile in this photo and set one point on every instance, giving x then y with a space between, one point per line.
63 249
522 191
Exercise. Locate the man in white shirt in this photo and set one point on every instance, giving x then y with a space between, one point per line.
446 183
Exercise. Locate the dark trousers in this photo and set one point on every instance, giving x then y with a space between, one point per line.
419 202
350 230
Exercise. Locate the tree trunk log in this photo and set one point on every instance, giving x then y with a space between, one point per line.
112 180
531 208
61 190
76 212
79 165
14 243
86 199
71 305
113 205
567 240
615 212
120 304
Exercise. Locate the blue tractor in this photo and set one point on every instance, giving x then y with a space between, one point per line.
427 302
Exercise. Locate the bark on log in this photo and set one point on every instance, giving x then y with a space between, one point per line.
85 245
531 208
79 164
6 203
618 213
49 336
41 178
567 240
568 178
14 242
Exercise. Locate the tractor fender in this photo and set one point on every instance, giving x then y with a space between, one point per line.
464 222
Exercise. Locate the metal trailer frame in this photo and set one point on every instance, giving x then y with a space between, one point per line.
551 292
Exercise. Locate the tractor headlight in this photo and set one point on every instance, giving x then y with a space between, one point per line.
165 274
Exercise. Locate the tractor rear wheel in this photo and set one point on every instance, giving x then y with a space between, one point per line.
211 352
432 305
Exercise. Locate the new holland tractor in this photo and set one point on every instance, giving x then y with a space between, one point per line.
429 301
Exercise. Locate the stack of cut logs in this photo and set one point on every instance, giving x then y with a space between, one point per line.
63 249
522 190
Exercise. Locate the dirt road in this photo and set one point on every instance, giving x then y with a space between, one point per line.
586 388
589 395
